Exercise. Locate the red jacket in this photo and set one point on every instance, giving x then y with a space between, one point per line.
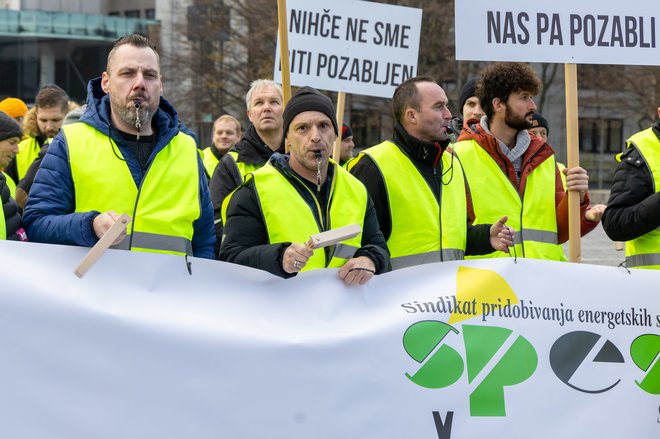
537 152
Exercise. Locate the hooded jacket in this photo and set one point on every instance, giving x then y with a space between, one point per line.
50 212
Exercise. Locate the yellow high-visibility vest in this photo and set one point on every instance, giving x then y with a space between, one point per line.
533 216
644 251
162 209
289 218
423 230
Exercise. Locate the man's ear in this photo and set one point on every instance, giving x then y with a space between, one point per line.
498 105
105 82
410 115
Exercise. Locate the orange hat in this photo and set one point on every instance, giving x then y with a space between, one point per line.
14 107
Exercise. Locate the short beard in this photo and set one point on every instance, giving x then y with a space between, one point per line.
129 115
515 122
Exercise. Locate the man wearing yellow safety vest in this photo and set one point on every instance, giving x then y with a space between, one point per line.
261 139
508 171
226 133
10 135
41 124
271 216
633 210
417 189
129 153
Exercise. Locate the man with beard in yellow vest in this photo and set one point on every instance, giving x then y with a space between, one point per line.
508 171
633 210
129 153
272 215
417 187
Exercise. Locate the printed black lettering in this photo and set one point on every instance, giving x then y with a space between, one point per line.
509 29
443 428
345 61
576 27
555 31
589 30
631 31
604 19
494 27
617 32
523 18
356 30
409 308
542 26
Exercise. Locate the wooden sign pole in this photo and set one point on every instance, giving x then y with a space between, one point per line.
341 101
573 151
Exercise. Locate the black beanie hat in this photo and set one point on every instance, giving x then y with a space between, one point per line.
469 90
346 131
9 127
540 121
308 99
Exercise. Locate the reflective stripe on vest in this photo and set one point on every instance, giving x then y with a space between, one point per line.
534 217
644 251
210 160
289 218
28 151
10 184
414 210
163 208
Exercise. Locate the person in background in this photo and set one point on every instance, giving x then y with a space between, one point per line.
41 124
261 139
347 144
226 134
469 108
15 108
10 218
23 187
10 135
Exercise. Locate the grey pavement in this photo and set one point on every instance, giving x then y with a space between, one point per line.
598 249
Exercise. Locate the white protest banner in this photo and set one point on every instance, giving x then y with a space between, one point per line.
356 47
559 31
139 348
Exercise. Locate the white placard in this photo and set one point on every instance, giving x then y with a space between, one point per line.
138 348
356 47
559 31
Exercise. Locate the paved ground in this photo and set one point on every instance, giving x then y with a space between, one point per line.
598 249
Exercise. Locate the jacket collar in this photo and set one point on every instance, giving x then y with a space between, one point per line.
418 150
252 149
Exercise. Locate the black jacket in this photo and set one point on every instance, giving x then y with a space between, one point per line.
246 237
227 177
10 210
426 158
633 209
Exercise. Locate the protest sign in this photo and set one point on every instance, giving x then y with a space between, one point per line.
356 47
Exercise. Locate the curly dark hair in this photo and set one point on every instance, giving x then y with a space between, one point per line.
407 96
499 80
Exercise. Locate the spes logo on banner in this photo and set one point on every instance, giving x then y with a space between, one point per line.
559 31
351 46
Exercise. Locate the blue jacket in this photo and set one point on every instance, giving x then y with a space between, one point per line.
50 211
